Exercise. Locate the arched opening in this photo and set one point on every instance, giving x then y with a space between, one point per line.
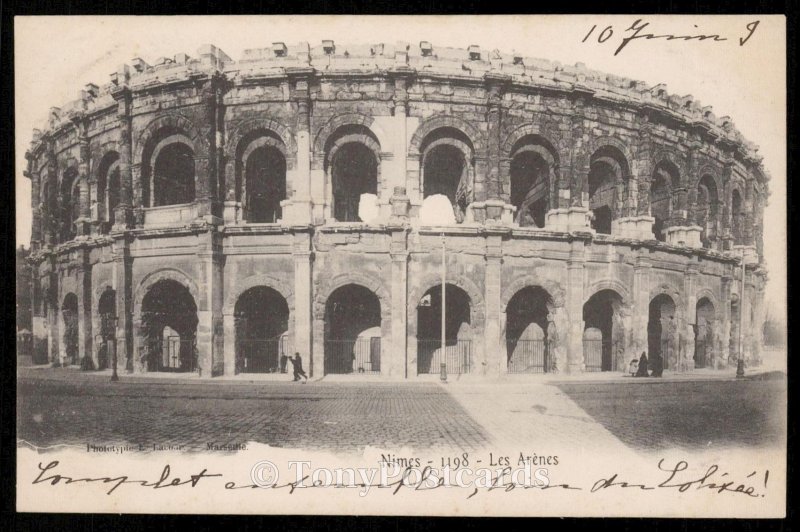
737 218
607 171
352 331
107 309
707 205
169 328
457 356
108 190
173 175
665 179
447 168
352 160
265 184
69 312
527 348
704 333
262 331
603 339
662 327
70 204
531 173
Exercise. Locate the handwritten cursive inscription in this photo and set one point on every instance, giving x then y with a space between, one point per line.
674 477
164 480
712 479
636 31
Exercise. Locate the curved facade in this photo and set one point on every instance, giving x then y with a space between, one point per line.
209 216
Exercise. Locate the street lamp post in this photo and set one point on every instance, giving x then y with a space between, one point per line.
443 360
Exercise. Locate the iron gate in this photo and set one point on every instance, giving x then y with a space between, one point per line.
457 357
262 356
359 355
593 354
527 356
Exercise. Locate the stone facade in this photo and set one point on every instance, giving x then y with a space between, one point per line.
211 215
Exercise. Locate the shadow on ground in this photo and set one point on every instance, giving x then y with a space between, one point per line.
654 414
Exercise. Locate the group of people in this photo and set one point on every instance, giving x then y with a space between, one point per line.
640 368
297 365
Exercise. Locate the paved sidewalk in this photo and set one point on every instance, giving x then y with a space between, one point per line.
524 415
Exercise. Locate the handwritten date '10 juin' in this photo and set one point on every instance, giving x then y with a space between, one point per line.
636 31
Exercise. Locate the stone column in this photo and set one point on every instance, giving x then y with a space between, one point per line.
205 164
495 84
303 301
85 339
640 303
127 357
53 315
575 298
123 215
690 311
493 345
51 206
83 223
302 203
229 355
722 339
727 174
210 331
397 364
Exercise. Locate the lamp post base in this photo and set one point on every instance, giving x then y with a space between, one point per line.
740 368
443 372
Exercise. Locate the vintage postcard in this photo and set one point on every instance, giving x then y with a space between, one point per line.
418 265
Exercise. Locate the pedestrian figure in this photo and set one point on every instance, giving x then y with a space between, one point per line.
633 367
657 364
297 362
284 360
641 371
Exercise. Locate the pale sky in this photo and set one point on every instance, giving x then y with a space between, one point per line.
57 56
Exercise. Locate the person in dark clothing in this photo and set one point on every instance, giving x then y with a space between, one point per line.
297 362
657 363
284 361
642 371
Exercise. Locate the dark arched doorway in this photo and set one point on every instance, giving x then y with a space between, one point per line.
107 308
354 171
262 331
457 356
662 329
69 311
173 175
665 179
352 331
265 184
169 328
602 335
447 168
704 333
526 331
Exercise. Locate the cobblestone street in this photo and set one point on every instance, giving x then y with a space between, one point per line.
339 416
68 407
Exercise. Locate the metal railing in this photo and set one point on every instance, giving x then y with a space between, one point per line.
457 356
262 356
359 355
527 356
170 354
593 354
